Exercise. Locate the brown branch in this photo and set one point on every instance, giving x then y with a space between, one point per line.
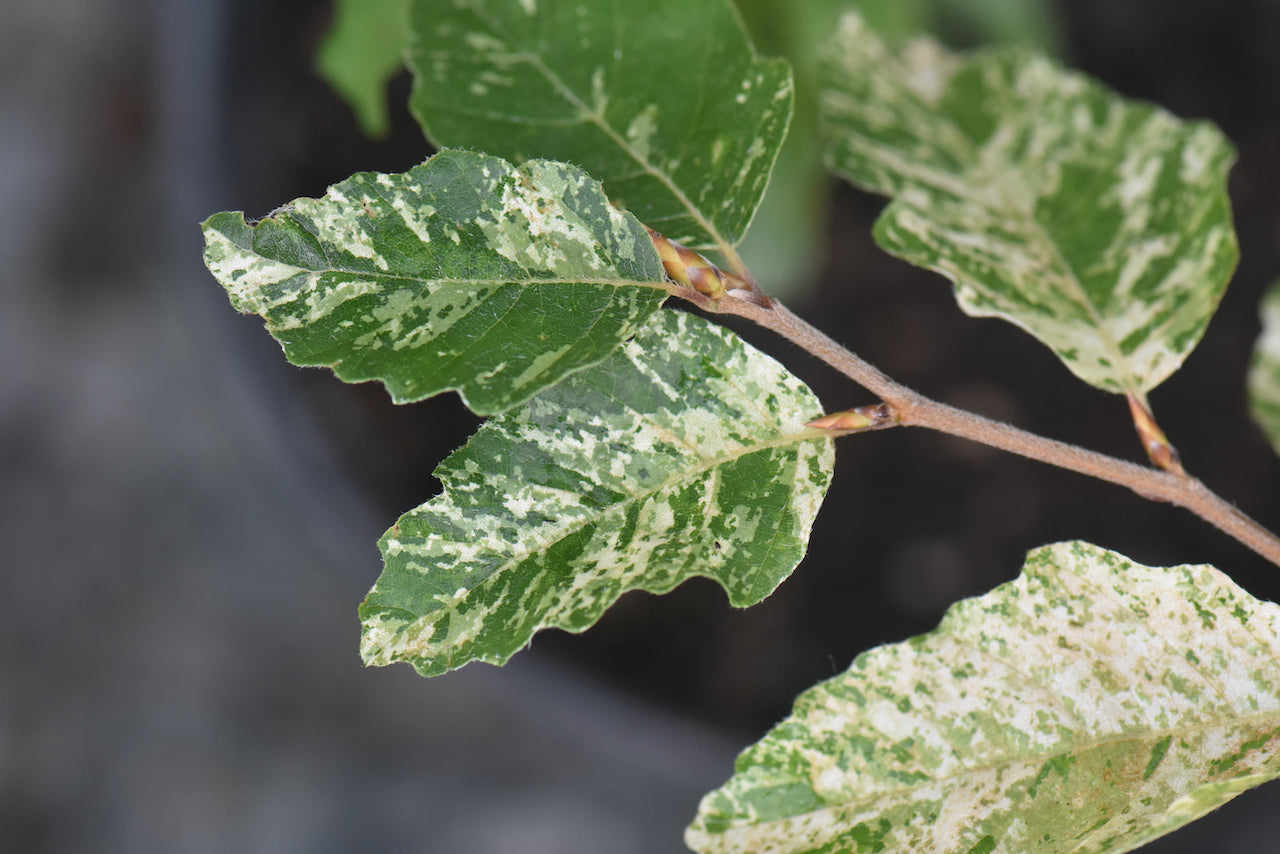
910 408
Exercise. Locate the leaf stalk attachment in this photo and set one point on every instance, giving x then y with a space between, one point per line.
860 419
691 269
1154 442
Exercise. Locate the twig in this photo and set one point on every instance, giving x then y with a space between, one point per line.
910 408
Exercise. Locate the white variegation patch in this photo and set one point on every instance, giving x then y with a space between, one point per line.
1092 704
249 279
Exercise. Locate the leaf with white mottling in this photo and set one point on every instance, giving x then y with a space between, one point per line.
684 454
1101 226
664 101
1264 372
1091 705
463 273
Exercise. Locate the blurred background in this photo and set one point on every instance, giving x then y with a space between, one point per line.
187 523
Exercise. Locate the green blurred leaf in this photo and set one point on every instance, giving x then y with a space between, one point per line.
1264 372
895 20
684 454
1099 225
361 52
1091 705
463 273
786 245
1031 23
785 248
665 101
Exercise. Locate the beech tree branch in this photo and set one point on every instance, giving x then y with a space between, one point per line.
913 409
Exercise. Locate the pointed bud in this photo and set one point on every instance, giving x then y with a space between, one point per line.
688 268
670 257
849 419
1160 451
870 417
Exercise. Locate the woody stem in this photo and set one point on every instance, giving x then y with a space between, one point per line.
913 409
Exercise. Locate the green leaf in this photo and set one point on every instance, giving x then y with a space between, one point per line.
786 245
1099 225
896 19
362 51
664 101
1264 372
1091 705
1026 22
684 454
463 273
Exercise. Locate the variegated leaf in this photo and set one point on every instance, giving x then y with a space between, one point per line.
1099 225
463 273
683 454
1264 373
1091 705
664 101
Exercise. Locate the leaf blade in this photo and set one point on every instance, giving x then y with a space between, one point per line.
1100 226
464 273
1091 705
686 145
685 453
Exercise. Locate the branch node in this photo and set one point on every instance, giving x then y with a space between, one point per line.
860 419
686 267
1158 447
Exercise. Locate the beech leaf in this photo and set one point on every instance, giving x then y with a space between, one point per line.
1091 705
1099 225
684 454
463 273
